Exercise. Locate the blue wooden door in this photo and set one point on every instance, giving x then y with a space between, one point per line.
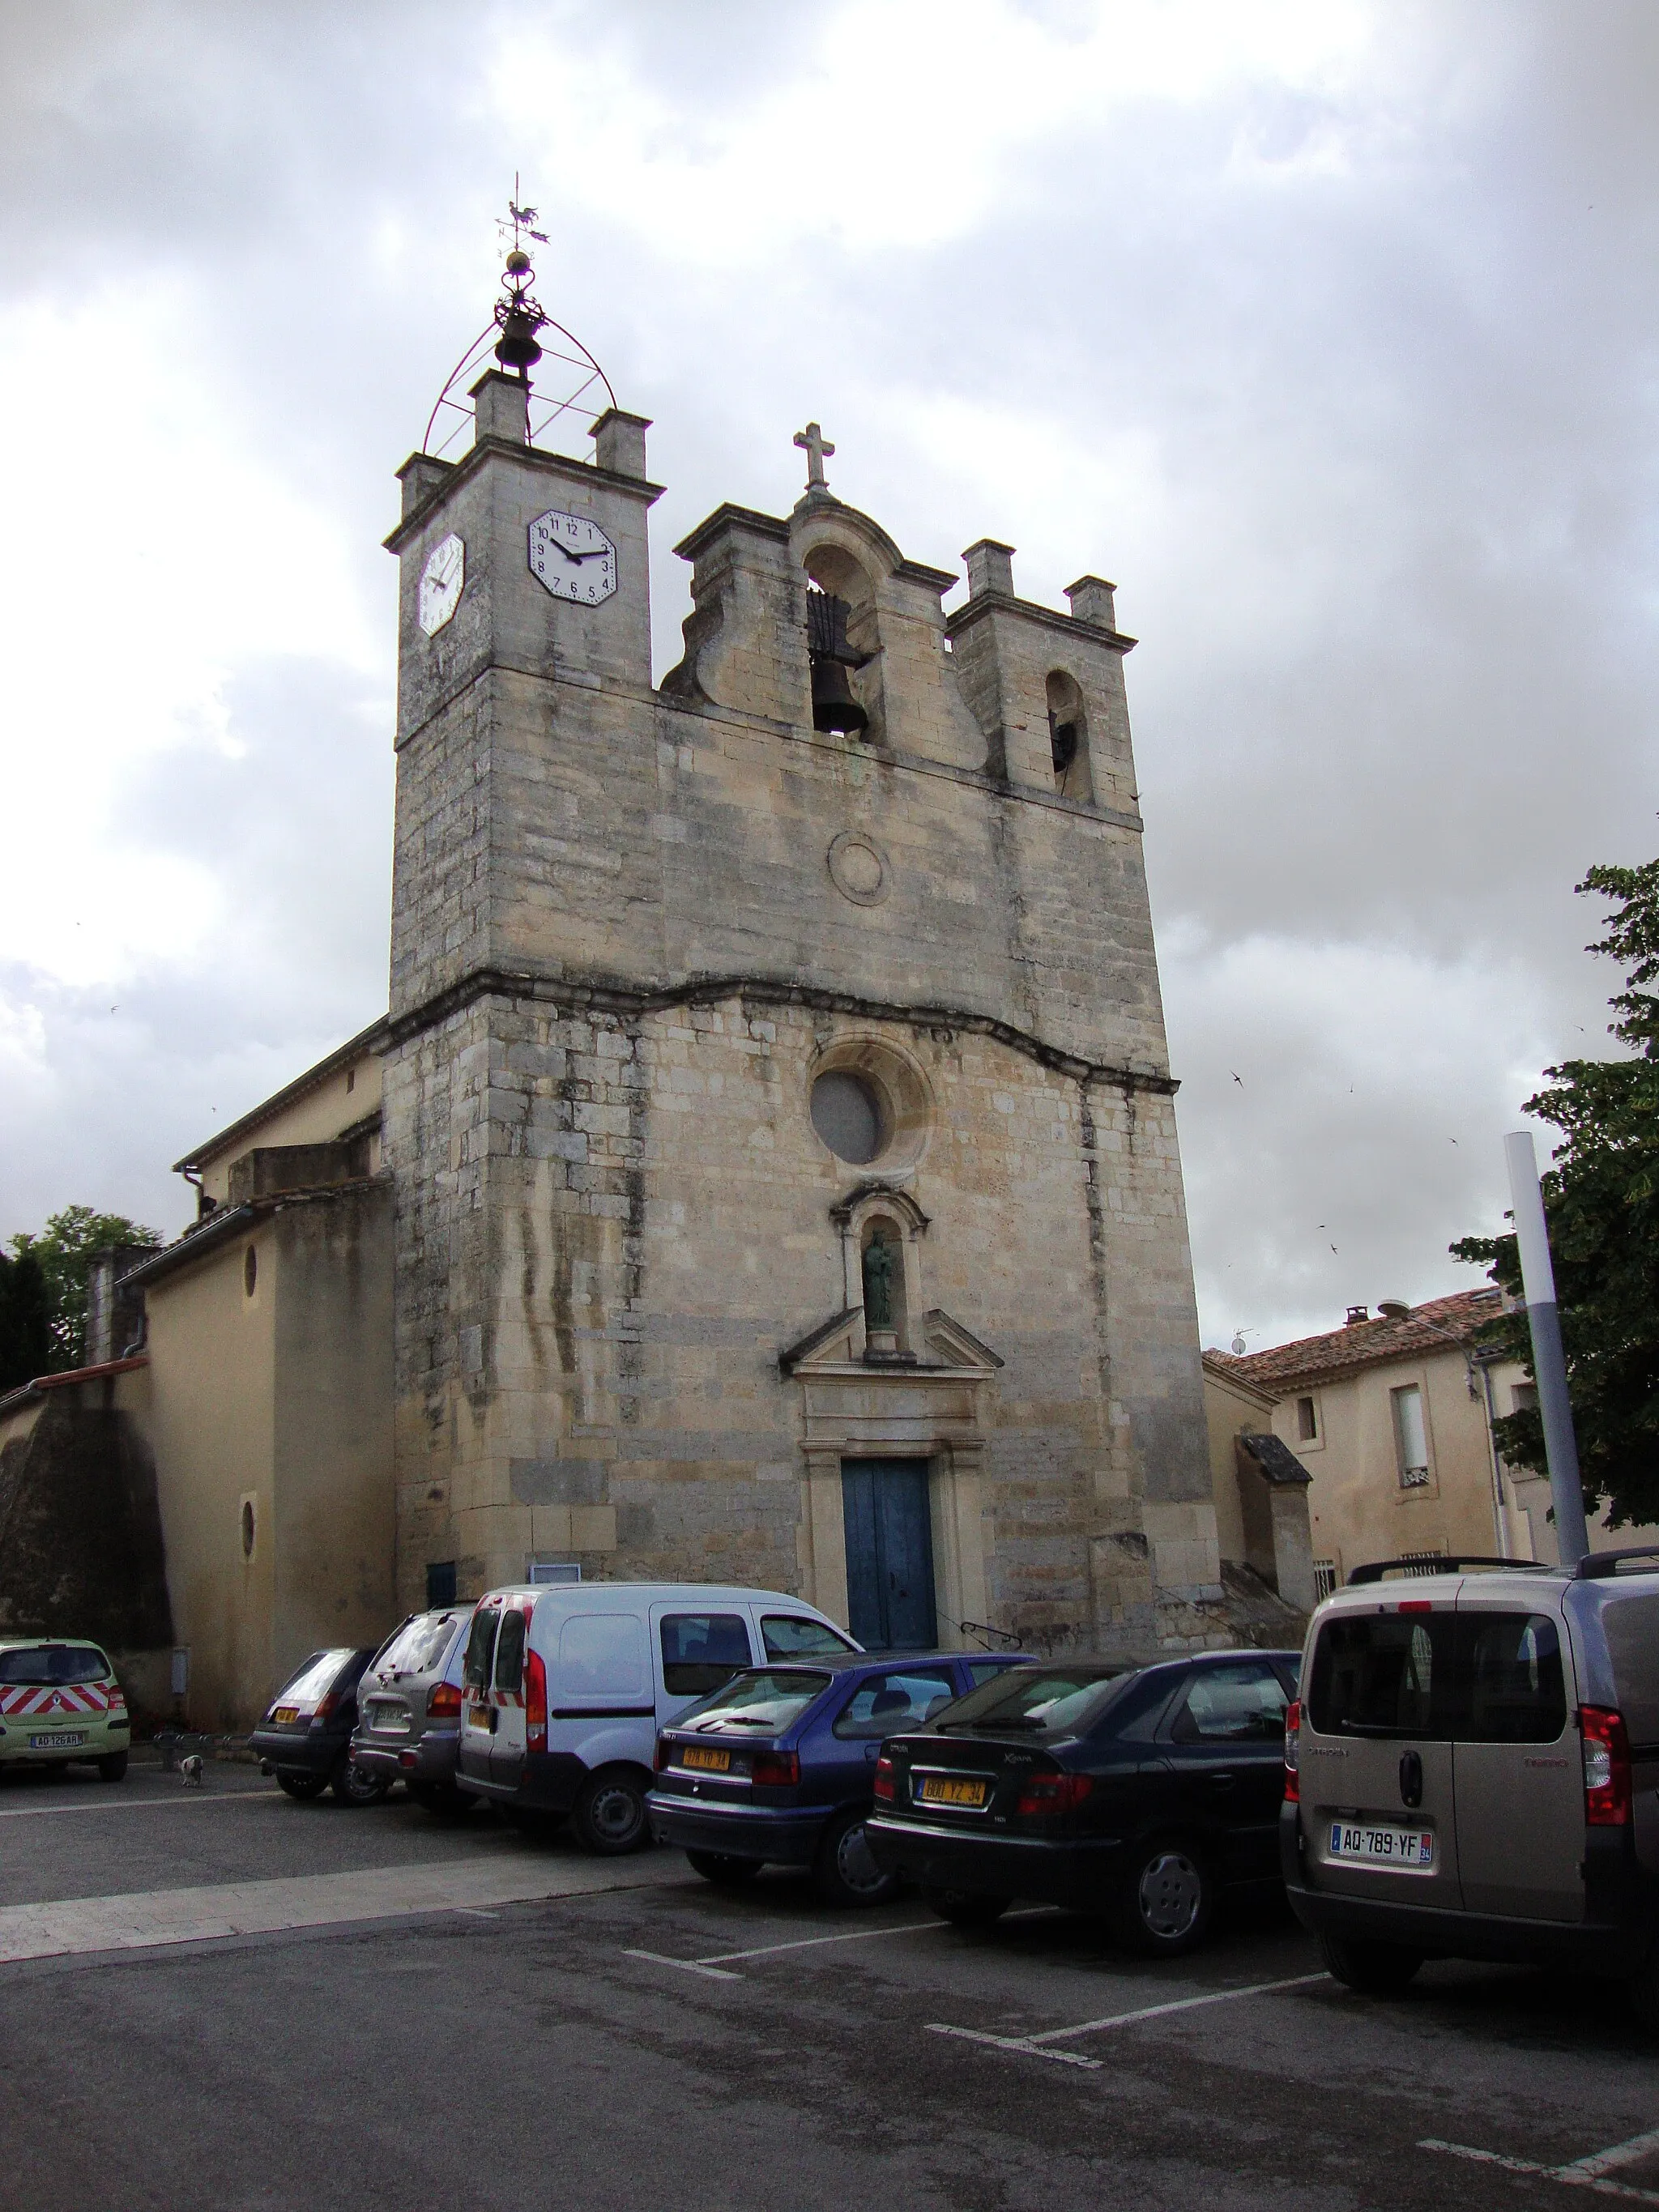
889 1554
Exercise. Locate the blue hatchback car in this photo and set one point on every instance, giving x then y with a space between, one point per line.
776 1768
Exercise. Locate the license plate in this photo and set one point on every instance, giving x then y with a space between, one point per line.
1410 1848
285 1716
945 1790
61 1742
706 1761
388 1720
478 1716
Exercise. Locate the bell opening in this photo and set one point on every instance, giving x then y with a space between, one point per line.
834 707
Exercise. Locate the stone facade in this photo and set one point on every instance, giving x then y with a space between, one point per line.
632 927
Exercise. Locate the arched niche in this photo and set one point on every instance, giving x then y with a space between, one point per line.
1068 736
844 637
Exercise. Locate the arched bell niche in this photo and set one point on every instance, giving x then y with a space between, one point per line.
843 641
1069 737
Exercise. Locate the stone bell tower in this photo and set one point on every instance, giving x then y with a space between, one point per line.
787 1182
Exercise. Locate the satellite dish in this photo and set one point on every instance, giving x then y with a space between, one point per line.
1238 1343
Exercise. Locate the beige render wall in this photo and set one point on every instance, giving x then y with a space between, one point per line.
334 1524
210 1425
1229 1412
349 1095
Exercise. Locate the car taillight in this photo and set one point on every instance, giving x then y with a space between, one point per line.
883 1786
326 1706
776 1770
443 1702
535 1701
1045 1795
1606 1767
1293 1753
665 1757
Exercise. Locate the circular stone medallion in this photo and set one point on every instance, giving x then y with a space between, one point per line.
858 868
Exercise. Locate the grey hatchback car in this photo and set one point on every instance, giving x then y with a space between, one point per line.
1472 1770
409 1708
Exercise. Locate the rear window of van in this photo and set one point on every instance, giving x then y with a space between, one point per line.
1476 1677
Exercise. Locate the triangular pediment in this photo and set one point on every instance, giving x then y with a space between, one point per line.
942 1345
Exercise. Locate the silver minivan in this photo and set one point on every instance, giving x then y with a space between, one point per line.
564 1688
409 1708
1472 1769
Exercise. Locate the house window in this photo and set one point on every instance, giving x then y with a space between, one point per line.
1307 1421
441 1582
1411 1438
1324 1579
1523 1398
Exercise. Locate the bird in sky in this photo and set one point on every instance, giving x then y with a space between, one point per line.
1238 1079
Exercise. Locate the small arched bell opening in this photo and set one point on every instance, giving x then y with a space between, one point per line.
1069 737
841 640
886 1315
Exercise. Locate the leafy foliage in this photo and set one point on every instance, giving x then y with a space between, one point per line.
1601 1203
61 1258
25 1320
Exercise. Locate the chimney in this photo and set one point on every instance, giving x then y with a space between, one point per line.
1357 1314
990 568
1093 601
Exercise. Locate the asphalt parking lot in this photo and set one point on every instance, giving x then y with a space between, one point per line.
223 1998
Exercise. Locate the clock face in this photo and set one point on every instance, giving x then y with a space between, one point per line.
572 557
441 580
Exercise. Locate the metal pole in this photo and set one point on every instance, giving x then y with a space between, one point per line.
1549 1363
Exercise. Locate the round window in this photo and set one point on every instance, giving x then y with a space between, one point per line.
247 1528
849 1115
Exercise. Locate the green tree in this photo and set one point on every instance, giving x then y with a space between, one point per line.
26 1346
1601 1202
62 1253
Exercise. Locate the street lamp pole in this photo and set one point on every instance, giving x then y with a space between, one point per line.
1549 1363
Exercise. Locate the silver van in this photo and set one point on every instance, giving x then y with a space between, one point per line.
1472 1769
409 1708
564 1688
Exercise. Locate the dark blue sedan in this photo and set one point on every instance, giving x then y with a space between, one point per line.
777 1768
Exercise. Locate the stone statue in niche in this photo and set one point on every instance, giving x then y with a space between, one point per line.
881 1262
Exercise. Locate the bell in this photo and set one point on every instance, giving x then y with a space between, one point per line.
517 348
834 707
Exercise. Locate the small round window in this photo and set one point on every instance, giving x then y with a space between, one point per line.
850 1116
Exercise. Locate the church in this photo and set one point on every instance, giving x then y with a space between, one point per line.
766 1169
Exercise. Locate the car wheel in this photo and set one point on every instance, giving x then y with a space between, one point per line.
963 1908
112 1767
721 1868
303 1786
355 1785
610 1812
844 1871
1377 1969
1166 1901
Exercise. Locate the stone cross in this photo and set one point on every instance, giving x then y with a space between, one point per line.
817 448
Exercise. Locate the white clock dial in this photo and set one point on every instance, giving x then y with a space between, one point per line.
441 580
572 557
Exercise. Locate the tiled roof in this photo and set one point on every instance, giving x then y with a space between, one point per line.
1362 1343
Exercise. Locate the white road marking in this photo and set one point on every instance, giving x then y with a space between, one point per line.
1034 2046
71 1926
1580 2173
142 1804
712 1959
685 1965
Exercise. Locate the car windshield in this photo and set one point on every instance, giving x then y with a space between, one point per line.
58 1664
1055 1700
419 1645
766 1700
314 1679
786 1636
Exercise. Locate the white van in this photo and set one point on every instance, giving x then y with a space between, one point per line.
566 1686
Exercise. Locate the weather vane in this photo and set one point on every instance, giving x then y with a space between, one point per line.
520 333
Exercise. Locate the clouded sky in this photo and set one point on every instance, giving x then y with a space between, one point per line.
1327 329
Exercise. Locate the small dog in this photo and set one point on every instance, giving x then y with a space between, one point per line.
191 1768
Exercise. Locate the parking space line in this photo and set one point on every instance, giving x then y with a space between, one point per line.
1588 2172
710 1959
685 1965
1021 2043
1034 2045
142 1804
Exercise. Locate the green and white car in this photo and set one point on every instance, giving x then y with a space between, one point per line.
60 1700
